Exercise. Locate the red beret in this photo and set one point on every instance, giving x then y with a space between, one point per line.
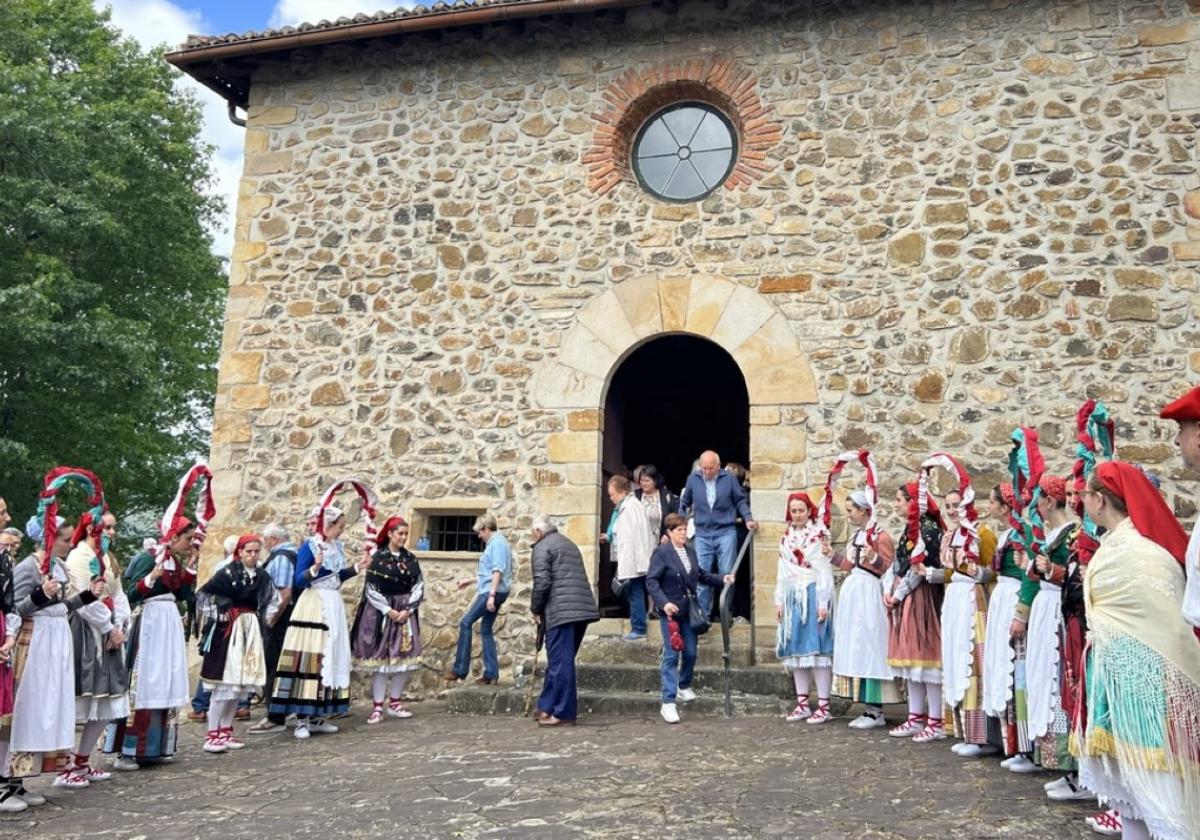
1185 408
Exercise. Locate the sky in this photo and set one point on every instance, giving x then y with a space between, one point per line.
154 22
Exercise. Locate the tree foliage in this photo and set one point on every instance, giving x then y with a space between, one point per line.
110 297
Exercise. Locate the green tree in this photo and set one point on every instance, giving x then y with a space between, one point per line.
110 296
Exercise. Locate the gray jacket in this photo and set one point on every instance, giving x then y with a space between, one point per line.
561 591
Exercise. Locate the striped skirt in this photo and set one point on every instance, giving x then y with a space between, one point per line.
306 684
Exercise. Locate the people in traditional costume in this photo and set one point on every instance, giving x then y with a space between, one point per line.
1139 745
280 567
10 626
966 559
158 583
860 621
914 603
386 635
1186 412
244 600
98 633
313 677
803 608
1049 727
41 729
1004 642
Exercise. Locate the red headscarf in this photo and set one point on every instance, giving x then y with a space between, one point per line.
87 527
1150 514
385 533
808 503
178 526
1054 486
1007 496
913 490
244 541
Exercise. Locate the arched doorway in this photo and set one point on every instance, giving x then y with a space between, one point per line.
669 400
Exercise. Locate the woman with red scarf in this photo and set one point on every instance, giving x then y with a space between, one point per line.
234 661
803 605
914 603
1139 743
156 583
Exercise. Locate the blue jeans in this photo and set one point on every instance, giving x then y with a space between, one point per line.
636 595
674 674
478 611
715 549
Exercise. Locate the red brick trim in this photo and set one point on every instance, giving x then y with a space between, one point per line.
634 96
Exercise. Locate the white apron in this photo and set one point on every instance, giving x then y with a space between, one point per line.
160 671
43 718
958 638
860 627
1042 659
335 667
999 658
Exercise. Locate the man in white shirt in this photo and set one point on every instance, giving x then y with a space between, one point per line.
1186 412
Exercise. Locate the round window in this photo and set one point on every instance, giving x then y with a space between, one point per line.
684 152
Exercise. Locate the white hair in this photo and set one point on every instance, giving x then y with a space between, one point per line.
544 523
231 542
486 522
275 531
148 544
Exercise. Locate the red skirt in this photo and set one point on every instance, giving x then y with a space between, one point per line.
915 637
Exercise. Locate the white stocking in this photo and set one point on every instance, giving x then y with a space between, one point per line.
216 713
1134 829
916 698
399 680
824 676
934 692
379 687
88 738
802 677
227 713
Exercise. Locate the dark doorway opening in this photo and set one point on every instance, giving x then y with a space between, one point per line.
670 400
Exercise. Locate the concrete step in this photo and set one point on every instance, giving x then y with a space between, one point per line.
488 700
613 650
763 680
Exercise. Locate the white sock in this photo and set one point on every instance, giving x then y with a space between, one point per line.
90 735
916 698
824 677
399 681
228 713
379 688
933 691
216 712
802 677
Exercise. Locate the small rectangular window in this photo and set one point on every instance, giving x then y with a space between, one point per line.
452 532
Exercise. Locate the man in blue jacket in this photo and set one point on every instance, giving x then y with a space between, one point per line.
716 499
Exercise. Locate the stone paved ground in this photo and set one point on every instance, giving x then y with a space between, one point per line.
444 776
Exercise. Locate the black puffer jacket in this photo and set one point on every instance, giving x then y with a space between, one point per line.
561 591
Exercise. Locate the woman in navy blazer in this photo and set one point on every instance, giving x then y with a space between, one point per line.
668 581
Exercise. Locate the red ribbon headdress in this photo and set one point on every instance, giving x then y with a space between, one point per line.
863 457
1096 438
968 518
370 502
173 520
47 514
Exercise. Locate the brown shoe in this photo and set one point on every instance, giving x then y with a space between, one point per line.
486 681
193 715
450 676
550 720
242 714
539 715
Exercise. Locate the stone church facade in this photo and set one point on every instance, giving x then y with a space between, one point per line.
939 220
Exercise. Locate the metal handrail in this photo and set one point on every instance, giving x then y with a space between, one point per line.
727 620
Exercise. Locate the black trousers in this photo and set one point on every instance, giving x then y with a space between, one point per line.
272 648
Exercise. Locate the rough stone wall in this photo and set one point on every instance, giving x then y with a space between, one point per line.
977 214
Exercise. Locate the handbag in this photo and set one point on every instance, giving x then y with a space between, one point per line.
618 587
697 617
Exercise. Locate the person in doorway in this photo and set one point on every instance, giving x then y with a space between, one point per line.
673 579
631 543
652 492
493 580
716 500
1186 412
563 604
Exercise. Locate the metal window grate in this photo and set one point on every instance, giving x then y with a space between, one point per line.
453 533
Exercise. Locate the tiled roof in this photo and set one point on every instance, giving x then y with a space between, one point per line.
199 42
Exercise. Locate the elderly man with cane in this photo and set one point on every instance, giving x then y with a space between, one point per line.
563 604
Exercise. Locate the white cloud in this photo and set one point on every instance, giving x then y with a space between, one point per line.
291 12
155 22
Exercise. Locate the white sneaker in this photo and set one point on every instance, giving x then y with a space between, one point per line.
959 747
10 803
1023 765
685 695
1070 793
1006 763
976 750
27 796
124 762
322 727
301 732
669 713
866 721
1061 781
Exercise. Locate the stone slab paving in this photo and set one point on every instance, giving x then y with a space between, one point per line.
445 776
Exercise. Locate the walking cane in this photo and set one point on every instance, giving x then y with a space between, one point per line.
538 641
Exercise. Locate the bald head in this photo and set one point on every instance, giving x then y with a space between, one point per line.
710 464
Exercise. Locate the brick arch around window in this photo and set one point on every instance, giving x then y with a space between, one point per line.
636 95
